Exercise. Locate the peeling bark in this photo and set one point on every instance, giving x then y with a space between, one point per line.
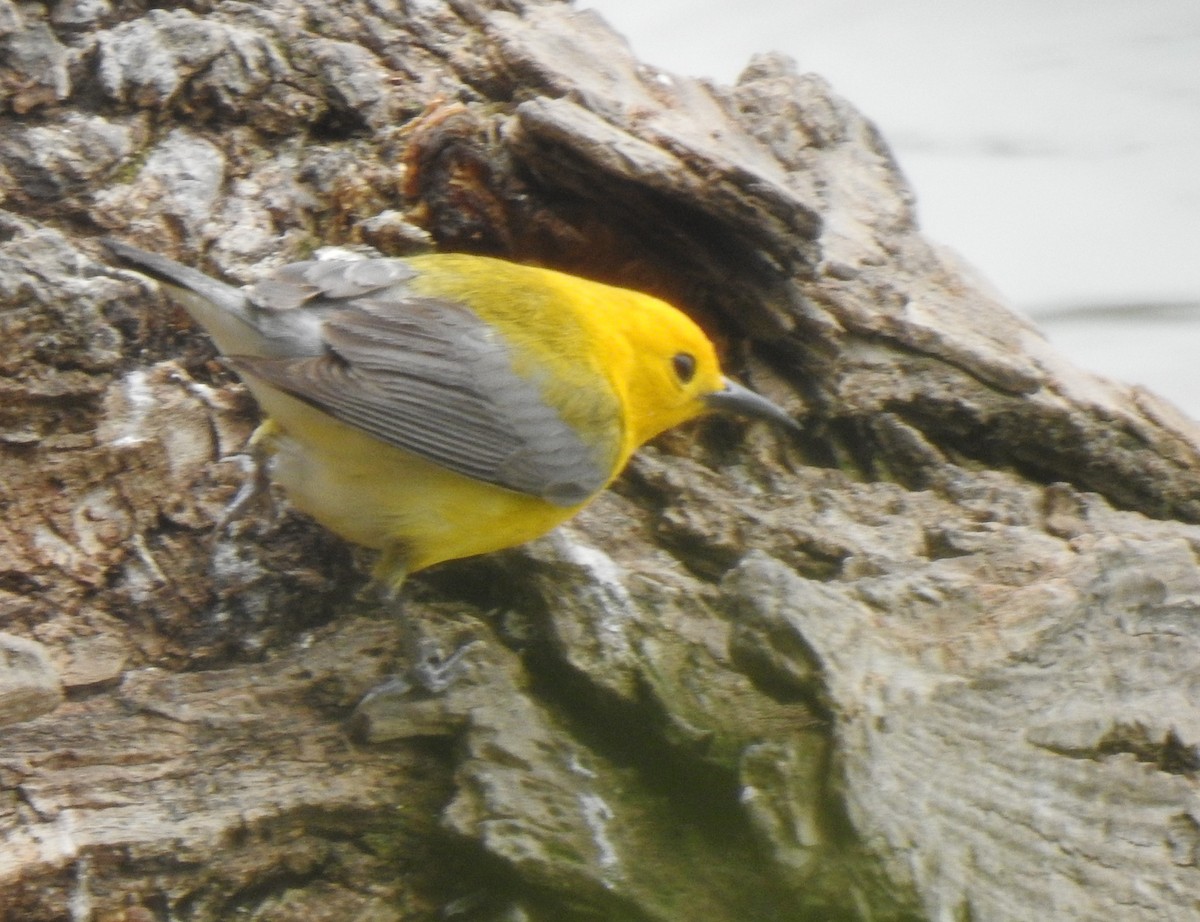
931 661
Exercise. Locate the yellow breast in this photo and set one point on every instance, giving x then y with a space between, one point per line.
381 497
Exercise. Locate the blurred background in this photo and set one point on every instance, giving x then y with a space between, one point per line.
1055 144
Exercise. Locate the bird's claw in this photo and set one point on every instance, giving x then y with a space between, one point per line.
434 672
255 488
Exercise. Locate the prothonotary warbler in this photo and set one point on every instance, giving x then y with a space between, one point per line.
441 406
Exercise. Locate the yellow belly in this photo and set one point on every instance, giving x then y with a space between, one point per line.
378 496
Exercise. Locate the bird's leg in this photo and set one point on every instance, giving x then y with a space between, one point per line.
429 668
256 487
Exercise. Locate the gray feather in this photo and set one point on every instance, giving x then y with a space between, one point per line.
423 374
431 378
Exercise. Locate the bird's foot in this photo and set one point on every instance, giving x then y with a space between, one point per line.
255 489
415 703
432 671
256 482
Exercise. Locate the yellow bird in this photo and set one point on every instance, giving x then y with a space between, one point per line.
446 405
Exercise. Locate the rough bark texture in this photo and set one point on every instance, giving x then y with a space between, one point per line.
932 661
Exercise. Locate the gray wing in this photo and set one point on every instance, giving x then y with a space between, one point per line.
428 376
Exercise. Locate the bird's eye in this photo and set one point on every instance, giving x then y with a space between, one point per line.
684 364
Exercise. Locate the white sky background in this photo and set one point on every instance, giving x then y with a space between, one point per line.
1054 143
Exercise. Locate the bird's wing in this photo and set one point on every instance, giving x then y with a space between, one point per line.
427 375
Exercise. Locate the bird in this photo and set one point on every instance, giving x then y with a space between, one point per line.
444 405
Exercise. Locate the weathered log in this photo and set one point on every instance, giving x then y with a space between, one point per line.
932 661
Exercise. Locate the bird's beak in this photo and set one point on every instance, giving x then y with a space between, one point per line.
733 398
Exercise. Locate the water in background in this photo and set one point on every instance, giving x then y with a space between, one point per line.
1054 143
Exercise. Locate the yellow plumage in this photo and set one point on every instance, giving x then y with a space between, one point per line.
384 498
442 406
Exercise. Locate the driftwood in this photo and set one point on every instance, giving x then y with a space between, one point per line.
932 661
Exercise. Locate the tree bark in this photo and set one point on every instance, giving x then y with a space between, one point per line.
930 661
